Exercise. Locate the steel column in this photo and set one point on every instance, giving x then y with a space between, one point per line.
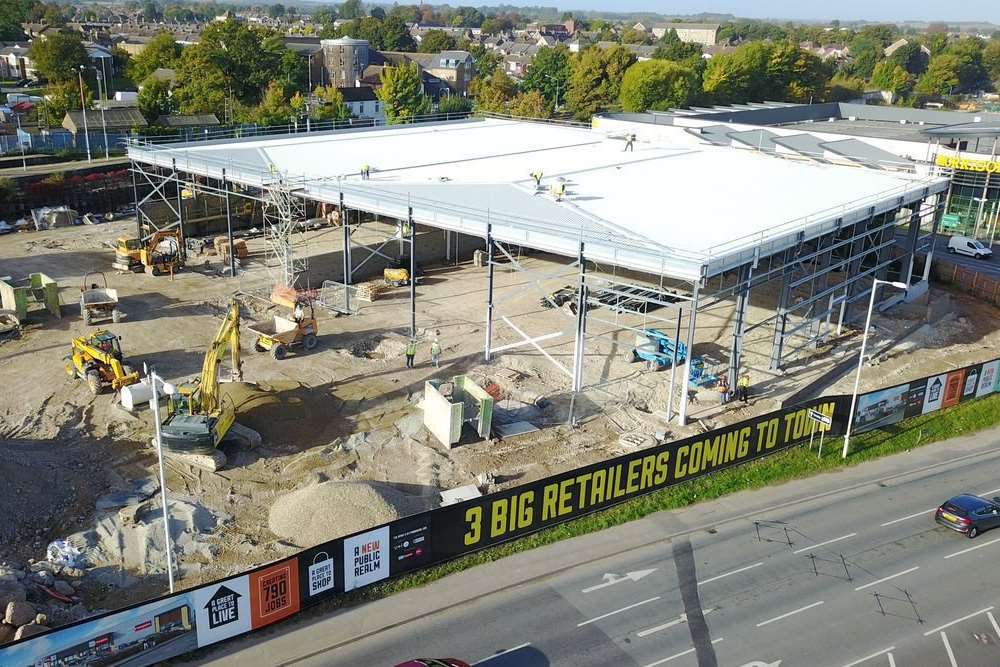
180 211
229 227
913 233
742 299
489 290
581 324
413 272
673 366
347 254
686 376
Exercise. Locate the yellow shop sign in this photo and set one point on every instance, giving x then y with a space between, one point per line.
956 162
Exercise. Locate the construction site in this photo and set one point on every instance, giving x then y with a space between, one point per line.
355 326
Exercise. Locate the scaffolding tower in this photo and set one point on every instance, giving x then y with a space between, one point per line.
284 211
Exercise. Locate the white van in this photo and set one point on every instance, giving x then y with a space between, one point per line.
966 245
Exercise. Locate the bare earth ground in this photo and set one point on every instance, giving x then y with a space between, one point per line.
348 412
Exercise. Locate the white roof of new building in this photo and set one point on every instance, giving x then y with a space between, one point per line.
675 206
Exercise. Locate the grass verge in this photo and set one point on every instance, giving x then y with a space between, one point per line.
794 463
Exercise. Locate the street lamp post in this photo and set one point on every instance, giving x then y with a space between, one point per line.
154 404
861 357
557 89
83 108
104 125
24 162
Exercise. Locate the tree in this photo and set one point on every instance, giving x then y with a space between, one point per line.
911 57
161 51
274 108
276 11
891 77
350 9
436 41
657 85
486 60
402 93
883 34
396 36
842 88
991 59
795 74
455 104
972 74
12 14
59 56
941 76
548 72
63 97
530 105
738 76
633 36
865 52
494 93
670 47
154 99
595 81
377 12
937 42
330 104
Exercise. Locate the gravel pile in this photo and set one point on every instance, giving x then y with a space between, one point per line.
327 510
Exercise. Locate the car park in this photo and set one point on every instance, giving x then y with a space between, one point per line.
969 514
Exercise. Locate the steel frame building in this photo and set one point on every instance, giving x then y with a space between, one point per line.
823 264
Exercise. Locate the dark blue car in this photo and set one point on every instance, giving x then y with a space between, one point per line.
969 514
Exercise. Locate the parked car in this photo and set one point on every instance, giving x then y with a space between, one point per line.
434 662
969 514
966 245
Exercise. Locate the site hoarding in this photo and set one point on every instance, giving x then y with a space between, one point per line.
151 632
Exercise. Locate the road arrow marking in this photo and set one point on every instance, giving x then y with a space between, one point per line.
669 624
612 579
761 663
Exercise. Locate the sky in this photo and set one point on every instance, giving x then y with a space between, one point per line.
871 10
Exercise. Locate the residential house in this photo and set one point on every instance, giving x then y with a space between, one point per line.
898 44
515 65
640 51
363 103
706 34
829 52
15 62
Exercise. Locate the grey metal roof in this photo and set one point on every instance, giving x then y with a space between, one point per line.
864 153
717 134
989 128
760 139
803 144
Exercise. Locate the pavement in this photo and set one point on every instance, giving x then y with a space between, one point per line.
841 569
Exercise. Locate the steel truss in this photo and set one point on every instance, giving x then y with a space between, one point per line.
825 275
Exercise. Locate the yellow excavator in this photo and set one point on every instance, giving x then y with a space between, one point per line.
198 419
98 359
161 252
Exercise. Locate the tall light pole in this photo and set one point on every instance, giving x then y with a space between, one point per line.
861 357
24 162
104 125
83 108
549 76
154 404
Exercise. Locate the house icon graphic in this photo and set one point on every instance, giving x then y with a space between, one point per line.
223 607
934 393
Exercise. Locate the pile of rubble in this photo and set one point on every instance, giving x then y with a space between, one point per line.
36 597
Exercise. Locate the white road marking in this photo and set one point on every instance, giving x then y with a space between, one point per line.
892 661
790 613
679 655
996 628
873 655
726 574
986 493
958 620
947 647
883 579
978 546
909 516
823 544
510 650
617 611
612 579
677 621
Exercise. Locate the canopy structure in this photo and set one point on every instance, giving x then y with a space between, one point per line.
679 209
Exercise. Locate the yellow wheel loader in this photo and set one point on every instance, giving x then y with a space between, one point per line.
98 360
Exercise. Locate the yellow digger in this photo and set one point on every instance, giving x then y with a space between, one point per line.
279 334
197 417
161 252
97 359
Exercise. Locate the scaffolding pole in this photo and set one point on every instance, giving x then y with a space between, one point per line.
581 324
686 375
413 272
489 290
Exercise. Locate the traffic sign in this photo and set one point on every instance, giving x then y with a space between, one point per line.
820 418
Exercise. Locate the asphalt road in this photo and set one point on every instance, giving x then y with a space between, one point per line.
989 267
856 576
